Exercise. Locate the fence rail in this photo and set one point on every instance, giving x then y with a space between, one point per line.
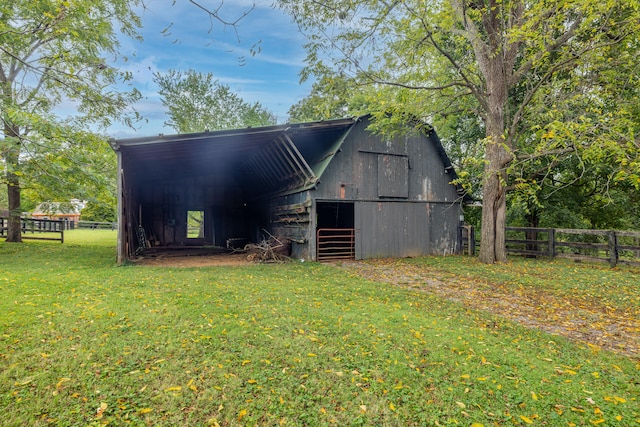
612 246
97 225
37 229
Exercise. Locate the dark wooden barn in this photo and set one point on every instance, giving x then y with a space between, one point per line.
331 188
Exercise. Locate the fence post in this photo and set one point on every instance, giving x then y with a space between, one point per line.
551 246
613 248
472 240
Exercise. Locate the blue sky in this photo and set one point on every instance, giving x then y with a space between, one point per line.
193 40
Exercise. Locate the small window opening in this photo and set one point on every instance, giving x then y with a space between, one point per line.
195 224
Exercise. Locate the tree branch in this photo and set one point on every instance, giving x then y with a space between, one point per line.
215 14
559 41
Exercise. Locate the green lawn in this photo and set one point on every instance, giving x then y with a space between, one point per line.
85 342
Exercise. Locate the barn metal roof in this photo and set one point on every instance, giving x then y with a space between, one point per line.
272 159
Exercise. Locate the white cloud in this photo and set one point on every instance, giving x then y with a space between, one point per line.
192 40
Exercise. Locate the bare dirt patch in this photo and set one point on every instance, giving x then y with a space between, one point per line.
268 251
192 258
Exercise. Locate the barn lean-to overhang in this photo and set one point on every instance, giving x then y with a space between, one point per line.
269 160
255 163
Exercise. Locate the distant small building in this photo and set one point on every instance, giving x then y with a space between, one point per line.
333 189
69 211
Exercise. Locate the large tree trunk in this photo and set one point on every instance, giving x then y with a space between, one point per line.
495 58
494 205
12 158
495 64
14 233
498 155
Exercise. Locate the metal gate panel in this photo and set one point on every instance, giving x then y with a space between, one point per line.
335 244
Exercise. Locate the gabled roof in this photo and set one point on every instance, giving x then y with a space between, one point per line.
267 160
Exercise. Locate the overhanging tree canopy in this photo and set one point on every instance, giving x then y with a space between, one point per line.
521 64
54 52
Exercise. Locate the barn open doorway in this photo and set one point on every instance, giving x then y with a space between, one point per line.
195 225
335 233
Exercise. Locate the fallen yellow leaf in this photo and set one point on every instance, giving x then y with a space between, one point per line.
62 381
103 407
526 419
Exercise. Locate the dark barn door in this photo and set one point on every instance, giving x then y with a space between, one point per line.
335 234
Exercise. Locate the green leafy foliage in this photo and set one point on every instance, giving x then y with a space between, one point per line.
332 96
48 59
196 103
100 211
85 342
60 170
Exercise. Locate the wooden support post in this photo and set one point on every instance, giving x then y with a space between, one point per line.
472 241
551 246
613 248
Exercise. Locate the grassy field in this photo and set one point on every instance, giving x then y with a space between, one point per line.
85 342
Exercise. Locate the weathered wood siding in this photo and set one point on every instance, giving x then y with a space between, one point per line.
404 203
161 206
292 218
357 169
